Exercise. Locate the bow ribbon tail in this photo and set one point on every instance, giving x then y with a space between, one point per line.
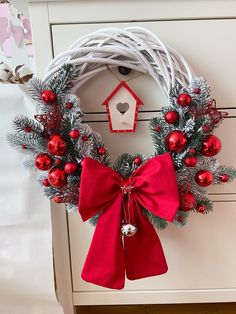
104 265
144 256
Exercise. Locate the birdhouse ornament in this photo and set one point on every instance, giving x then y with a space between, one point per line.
122 108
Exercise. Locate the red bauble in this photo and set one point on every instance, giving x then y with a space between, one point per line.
187 201
46 183
197 91
69 105
57 199
23 146
224 177
157 128
43 161
192 151
56 145
204 178
48 96
101 150
27 129
211 146
57 177
85 138
184 100
171 117
176 141
74 134
58 161
137 161
70 167
190 161
200 208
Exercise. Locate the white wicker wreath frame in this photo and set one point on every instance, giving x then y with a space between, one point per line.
133 47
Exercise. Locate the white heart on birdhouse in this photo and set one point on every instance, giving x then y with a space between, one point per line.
122 108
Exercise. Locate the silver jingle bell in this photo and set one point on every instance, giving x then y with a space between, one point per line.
128 230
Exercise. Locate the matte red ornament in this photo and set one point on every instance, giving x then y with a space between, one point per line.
187 201
206 128
43 161
197 91
85 138
201 208
74 134
224 177
176 141
192 151
58 161
56 145
171 117
211 146
46 183
69 105
101 150
204 178
70 167
137 161
190 161
184 100
48 96
27 129
57 177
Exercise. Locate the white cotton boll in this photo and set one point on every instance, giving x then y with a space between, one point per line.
23 71
5 72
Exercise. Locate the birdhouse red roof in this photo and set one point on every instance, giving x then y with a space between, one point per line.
119 86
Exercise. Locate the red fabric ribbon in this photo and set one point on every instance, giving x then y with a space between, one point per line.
152 186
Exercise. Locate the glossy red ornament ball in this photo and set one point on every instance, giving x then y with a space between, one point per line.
224 177
74 134
187 201
176 141
57 199
184 100
56 145
197 91
171 117
70 167
192 151
137 161
46 183
85 138
200 208
101 151
43 161
57 177
48 96
204 178
69 105
190 161
211 146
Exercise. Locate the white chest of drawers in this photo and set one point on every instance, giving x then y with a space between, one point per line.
202 255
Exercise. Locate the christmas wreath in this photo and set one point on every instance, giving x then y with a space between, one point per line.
76 168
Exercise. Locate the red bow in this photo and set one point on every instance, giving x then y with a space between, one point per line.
152 186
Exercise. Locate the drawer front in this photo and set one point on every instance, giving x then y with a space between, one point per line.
210 265
206 44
